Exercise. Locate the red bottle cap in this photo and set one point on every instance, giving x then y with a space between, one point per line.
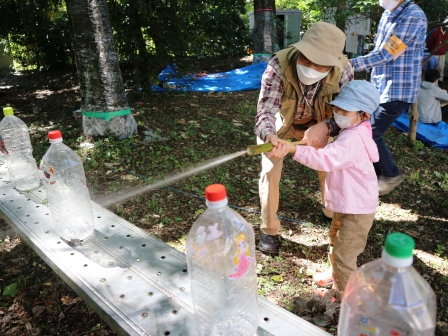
54 135
215 192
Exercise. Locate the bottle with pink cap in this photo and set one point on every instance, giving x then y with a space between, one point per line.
222 269
68 196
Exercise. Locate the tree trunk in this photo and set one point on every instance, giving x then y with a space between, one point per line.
413 120
141 59
103 99
264 28
341 20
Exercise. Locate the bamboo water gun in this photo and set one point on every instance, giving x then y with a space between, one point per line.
267 147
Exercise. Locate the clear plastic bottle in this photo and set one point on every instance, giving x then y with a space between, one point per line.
22 167
222 268
67 193
388 297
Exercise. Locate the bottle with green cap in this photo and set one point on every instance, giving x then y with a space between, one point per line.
388 296
22 167
222 269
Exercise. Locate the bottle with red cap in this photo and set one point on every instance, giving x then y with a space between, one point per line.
388 296
22 167
68 196
222 269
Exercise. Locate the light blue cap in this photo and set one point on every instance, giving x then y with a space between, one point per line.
358 95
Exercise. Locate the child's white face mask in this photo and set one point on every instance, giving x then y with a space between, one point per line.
343 121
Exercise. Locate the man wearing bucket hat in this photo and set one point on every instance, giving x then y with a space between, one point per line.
295 87
351 188
396 68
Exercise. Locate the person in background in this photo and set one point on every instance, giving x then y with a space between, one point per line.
430 97
396 68
439 35
295 87
351 186
432 63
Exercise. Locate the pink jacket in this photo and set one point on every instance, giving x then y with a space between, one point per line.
351 185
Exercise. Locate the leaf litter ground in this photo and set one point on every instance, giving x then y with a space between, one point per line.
178 131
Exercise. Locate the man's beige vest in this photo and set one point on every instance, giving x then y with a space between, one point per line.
292 93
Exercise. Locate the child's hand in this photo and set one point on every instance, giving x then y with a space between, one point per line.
281 150
289 146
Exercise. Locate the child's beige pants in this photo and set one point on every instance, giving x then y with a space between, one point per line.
348 237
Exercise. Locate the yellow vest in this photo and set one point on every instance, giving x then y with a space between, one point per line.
292 93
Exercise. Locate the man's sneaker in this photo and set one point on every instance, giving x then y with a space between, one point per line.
267 244
324 279
387 184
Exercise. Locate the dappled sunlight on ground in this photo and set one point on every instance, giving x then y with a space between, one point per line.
40 94
394 213
178 244
43 94
439 264
308 236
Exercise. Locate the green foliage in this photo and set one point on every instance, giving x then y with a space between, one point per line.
148 34
436 11
151 34
314 10
11 290
38 37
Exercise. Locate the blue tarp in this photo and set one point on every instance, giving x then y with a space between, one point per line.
435 135
247 78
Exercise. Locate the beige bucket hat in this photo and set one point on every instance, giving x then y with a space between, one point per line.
323 44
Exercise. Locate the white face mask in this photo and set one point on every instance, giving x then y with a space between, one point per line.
343 121
310 76
388 4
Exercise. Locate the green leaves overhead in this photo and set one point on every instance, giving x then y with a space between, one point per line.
149 34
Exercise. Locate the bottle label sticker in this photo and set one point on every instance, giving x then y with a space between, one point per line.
241 259
396 333
2 146
48 171
366 329
207 234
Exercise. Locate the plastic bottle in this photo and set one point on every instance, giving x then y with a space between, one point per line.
67 193
388 297
22 167
222 269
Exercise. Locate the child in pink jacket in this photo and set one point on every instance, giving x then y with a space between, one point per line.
351 186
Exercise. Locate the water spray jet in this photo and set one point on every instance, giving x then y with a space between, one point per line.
114 199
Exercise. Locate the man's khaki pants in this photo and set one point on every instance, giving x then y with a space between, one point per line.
268 189
347 238
441 59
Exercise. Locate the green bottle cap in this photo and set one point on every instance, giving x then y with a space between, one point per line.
8 111
399 245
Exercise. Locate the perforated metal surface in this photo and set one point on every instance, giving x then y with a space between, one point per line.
135 282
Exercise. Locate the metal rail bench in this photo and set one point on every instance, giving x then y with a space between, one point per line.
136 283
